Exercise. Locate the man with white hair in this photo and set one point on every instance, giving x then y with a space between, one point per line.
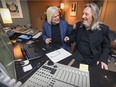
91 38
55 30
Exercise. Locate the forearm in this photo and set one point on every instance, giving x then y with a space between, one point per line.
72 35
104 55
105 45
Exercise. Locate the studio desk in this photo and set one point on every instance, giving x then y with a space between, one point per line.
98 77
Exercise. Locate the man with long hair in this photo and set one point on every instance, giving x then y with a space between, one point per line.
91 38
55 30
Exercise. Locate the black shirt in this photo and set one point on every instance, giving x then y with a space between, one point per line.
56 36
84 44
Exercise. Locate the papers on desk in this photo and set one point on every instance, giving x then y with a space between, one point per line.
83 67
58 55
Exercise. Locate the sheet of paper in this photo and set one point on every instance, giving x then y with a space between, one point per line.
83 67
58 55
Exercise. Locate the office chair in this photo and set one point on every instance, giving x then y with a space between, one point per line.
113 49
112 36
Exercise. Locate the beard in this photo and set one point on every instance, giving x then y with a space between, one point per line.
85 24
56 22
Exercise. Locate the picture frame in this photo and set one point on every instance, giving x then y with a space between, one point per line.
73 9
14 7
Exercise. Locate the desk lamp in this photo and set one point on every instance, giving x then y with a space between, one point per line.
6 16
62 12
61 5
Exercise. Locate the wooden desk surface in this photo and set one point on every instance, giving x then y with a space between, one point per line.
17 52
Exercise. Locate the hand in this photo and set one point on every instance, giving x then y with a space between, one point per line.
74 26
103 65
66 39
48 40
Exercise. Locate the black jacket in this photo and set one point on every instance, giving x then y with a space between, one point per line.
99 42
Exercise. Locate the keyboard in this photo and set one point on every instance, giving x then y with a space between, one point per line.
31 52
33 32
58 75
37 35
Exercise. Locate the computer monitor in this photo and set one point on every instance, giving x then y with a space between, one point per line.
6 54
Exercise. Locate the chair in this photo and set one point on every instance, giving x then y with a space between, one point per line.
112 36
113 49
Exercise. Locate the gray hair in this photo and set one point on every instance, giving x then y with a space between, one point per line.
50 12
95 15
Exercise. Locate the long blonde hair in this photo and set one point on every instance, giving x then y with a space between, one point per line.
95 15
50 12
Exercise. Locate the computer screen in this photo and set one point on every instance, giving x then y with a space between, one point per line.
6 54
